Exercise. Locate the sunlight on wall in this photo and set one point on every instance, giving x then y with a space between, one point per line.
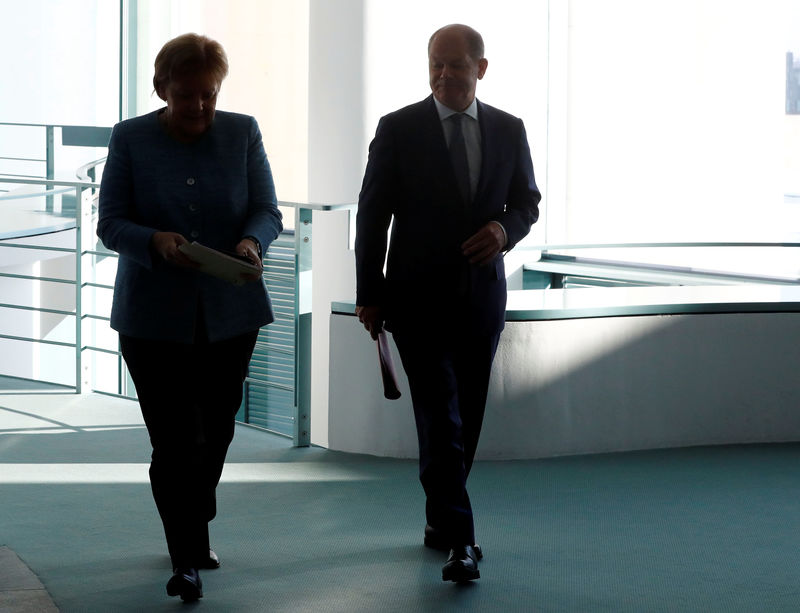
515 35
516 38
560 354
267 46
62 60
676 119
666 116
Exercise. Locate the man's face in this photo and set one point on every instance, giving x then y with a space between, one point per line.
191 102
453 73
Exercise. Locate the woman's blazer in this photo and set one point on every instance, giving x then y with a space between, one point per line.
215 191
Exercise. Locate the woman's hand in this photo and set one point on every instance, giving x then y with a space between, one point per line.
167 245
249 249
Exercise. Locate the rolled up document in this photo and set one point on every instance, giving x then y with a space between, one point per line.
388 373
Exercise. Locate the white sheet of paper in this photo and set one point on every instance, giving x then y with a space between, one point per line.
218 264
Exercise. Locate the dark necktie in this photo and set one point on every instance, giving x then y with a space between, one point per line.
458 154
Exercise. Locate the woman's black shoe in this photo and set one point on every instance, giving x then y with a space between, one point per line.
211 562
186 583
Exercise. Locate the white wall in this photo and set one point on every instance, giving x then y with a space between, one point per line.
335 164
60 62
675 121
267 43
595 385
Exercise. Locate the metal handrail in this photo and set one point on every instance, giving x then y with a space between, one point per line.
49 192
79 187
50 182
302 209
83 172
566 246
580 266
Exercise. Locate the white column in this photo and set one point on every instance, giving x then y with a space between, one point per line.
336 161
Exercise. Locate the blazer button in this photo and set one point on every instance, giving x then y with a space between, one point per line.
190 181
194 234
193 208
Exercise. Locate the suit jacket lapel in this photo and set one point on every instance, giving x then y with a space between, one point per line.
487 147
436 142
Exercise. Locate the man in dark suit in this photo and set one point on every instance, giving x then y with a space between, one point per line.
455 176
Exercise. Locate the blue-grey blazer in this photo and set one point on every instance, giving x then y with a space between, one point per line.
409 180
215 191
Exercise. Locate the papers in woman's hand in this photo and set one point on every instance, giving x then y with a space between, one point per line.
218 264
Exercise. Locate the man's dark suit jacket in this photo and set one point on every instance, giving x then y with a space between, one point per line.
409 176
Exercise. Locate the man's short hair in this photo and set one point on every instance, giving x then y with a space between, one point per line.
474 40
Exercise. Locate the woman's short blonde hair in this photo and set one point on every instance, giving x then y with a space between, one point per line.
189 54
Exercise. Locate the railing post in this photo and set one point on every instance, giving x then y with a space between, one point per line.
49 164
302 233
83 238
78 290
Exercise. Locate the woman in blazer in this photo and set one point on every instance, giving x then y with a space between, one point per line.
181 174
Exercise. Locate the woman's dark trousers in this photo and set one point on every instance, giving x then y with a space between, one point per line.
189 395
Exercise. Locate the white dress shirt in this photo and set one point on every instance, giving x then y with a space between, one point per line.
472 137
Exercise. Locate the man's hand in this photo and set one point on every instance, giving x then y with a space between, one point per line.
166 244
249 249
372 318
483 246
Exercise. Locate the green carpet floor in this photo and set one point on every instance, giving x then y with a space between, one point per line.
698 529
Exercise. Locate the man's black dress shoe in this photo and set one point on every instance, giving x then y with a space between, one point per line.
211 562
186 583
435 540
461 566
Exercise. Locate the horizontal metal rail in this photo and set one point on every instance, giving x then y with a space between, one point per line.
101 350
43 341
10 275
55 186
83 172
36 247
36 309
15 159
49 192
4 178
254 382
570 246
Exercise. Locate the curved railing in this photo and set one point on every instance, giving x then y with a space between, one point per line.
277 389
555 264
83 192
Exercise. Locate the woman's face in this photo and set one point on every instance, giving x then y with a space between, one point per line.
191 101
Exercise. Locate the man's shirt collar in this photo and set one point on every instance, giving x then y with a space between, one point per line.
445 112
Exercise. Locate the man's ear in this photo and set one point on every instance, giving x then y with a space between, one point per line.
483 64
